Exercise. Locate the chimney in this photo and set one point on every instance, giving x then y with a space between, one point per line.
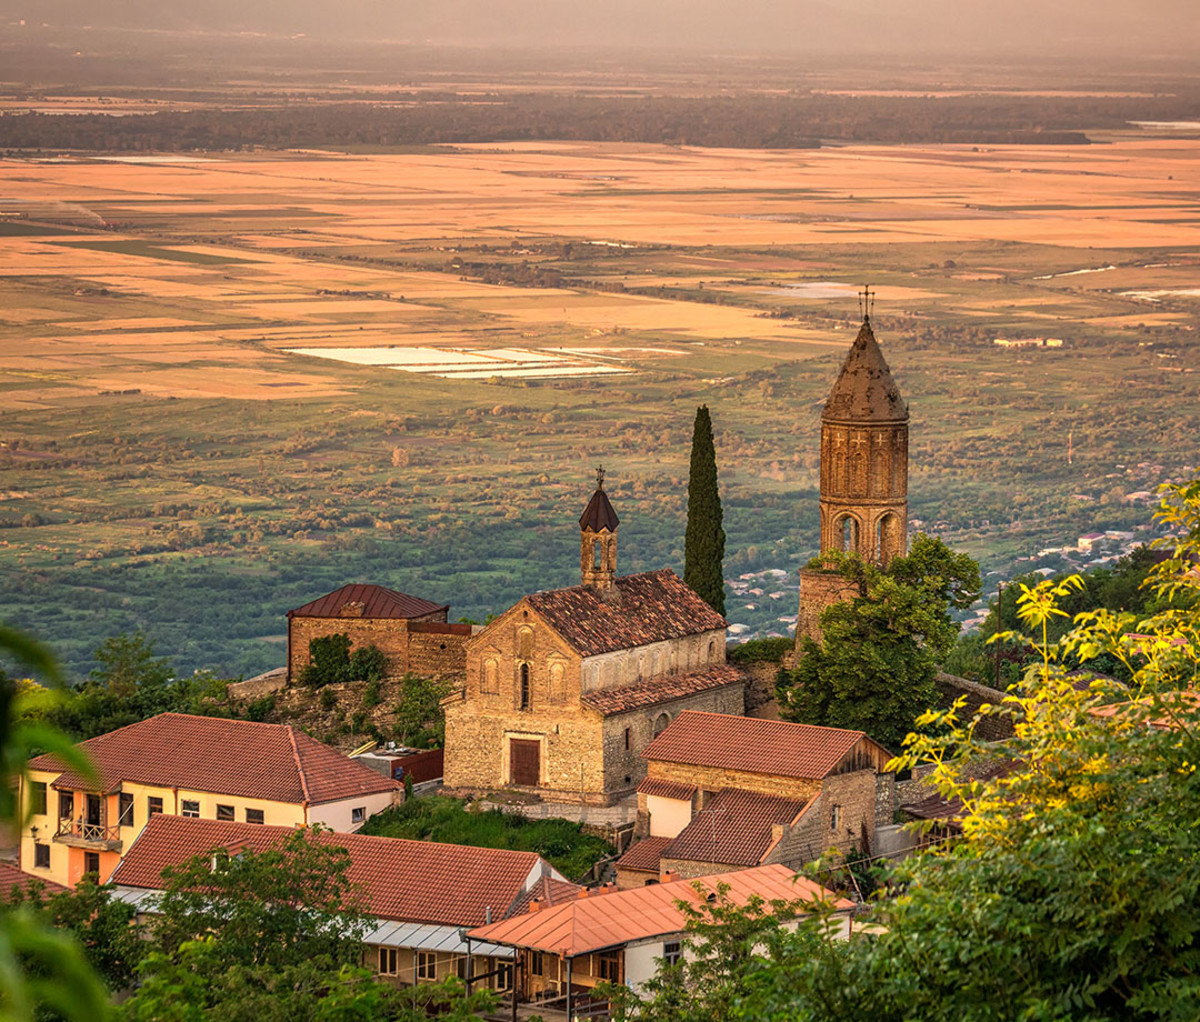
583 893
535 905
354 608
669 877
776 833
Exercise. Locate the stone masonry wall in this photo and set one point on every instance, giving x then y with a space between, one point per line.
713 779
437 650
818 590
389 634
813 836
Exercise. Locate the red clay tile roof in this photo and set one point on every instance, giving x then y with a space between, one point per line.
661 690
865 390
645 854
663 788
377 602
599 514
549 891
11 876
590 924
411 881
734 829
225 757
650 607
775 747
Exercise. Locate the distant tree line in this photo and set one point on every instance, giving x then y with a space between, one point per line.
751 121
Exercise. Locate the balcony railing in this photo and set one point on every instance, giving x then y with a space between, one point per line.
88 835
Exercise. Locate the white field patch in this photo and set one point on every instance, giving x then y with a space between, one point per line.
1160 294
471 364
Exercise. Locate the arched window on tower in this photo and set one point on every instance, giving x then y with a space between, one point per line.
888 544
597 554
847 534
524 695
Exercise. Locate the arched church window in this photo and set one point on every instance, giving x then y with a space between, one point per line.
660 723
524 695
558 683
525 642
491 677
847 534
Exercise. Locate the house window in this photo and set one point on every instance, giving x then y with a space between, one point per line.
536 964
41 856
610 968
524 686
66 805
628 739
426 966
672 952
189 807
91 862
224 812
461 966
388 964
503 976
37 798
125 809
358 814
153 805
254 816
835 818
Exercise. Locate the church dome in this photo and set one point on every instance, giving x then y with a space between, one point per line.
865 390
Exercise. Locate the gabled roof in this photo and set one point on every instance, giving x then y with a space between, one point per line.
775 747
547 891
584 925
650 607
645 855
415 881
376 600
663 788
12 877
865 390
226 757
661 690
734 829
599 513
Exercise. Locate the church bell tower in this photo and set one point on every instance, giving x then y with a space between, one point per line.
598 540
864 473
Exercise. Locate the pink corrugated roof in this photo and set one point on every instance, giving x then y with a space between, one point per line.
377 602
611 920
225 757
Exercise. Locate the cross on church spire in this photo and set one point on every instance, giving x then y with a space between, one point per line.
866 301
600 477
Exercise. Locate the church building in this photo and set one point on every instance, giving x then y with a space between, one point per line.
864 476
566 689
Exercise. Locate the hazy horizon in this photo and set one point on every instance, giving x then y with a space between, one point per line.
991 30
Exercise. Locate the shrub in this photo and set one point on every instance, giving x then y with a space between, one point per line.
262 708
368 663
371 696
328 661
757 650
329 699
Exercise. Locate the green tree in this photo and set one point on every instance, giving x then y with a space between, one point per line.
704 542
875 668
419 719
128 666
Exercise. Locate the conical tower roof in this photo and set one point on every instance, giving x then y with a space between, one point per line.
865 390
599 513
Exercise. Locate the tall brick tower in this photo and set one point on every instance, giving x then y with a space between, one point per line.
864 474
598 540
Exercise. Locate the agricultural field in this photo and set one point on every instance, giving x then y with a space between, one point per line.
231 381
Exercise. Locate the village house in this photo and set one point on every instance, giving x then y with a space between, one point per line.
565 689
565 950
189 766
421 894
724 792
411 632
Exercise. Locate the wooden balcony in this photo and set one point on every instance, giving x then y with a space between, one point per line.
95 837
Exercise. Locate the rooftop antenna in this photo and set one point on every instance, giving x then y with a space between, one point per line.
600 478
866 302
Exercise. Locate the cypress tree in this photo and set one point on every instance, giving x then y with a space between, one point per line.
704 544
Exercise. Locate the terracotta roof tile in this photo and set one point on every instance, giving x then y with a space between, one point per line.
775 747
660 690
663 788
11 876
734 828
549 891
645 854
650 607
590 924
865 390
376 600
225 757
413 881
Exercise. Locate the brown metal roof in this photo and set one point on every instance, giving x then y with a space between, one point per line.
865 390
777 748
599 514
661 690
225 757
584 925
650 607
376 600
734 828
